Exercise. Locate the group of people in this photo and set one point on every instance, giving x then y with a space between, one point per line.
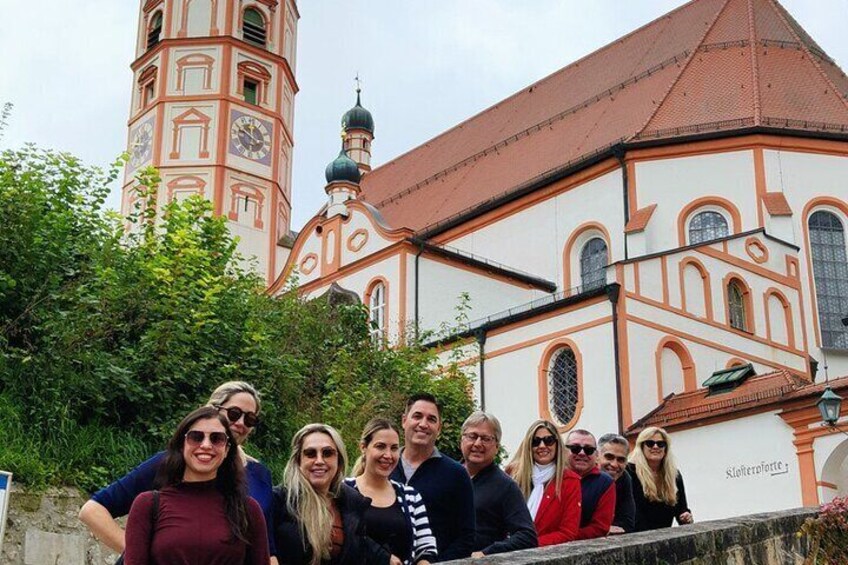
204 500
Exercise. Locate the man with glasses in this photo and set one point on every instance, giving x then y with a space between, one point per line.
503 521
597 488
442 482
613 460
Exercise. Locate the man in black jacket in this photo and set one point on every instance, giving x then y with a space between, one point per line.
503 521
613 459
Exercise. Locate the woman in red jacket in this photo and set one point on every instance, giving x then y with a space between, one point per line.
551 489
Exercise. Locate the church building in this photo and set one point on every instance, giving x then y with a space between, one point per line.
653 235
213 109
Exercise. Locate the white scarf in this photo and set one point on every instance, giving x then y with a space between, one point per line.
541 475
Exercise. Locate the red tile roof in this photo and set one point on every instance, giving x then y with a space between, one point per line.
770 390
708 66
640 218
776 204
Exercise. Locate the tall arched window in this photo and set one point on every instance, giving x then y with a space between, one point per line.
593 263
253 27
563 385
736 306
154 32
707 226
377 312
830 271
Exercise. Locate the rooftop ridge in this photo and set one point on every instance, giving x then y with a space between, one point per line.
755 68
655 21
682 70
783 14
538 126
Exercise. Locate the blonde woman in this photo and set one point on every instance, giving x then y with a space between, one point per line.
318 519
551 489
657 484
397 519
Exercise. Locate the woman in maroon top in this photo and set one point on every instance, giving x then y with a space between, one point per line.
204 514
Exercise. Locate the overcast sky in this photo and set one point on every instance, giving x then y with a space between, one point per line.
425 65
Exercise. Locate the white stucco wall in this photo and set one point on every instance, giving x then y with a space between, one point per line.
738 467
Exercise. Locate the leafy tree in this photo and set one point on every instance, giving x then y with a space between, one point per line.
110 336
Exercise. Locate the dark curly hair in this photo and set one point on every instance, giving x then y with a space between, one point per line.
229 481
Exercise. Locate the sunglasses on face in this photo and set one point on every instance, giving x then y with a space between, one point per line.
610 457
312 453
651 443
547 440
195 438
587 449
234 414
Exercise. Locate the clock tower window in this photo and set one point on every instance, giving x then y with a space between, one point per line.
254 27
154 31
251 91
147 85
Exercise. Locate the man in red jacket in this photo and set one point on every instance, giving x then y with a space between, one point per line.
597 488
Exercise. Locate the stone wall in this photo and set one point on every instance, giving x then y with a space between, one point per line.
42 528
759 539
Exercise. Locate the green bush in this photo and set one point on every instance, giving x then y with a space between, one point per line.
108 337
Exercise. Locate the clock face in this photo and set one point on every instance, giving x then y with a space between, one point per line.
141 145
250 138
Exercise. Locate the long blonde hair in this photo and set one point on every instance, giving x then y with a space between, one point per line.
521 465
664 487
371 428
308 506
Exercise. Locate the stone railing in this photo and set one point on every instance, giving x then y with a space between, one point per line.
43 528
759 539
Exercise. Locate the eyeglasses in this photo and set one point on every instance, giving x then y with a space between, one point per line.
195 438
234 414
312 453
484 439
651 443
587 449
547 440
610 457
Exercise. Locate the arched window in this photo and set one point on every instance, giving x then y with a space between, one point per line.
830 271
736 306
707 226
154 32
563 385
593 263
377 312
253 27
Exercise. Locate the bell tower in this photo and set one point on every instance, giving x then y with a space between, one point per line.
213 107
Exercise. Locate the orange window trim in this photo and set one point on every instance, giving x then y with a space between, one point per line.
747 301
568 279
692 207
677 347
544 398
706 285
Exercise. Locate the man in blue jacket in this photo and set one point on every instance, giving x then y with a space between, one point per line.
443 483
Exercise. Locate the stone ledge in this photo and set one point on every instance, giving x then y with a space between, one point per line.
760 539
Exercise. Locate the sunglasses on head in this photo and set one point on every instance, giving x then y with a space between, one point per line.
312 453
234 414
195 438
547 440
587 449
651 443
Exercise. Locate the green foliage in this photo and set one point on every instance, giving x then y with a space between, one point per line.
108 337
828 534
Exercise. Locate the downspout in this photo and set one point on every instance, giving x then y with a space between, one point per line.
481 347
619 152
613 291
417 260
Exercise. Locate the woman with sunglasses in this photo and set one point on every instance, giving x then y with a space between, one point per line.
202 513
657 484
239 403
319 519
397 518
551 489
